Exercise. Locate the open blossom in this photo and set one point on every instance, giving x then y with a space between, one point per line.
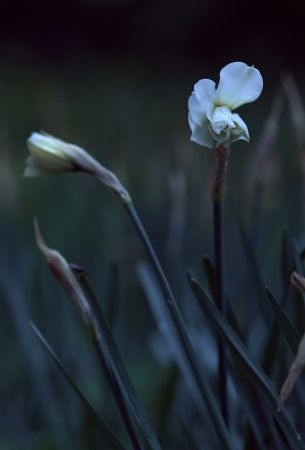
210 109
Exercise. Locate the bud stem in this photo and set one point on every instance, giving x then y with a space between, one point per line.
183 337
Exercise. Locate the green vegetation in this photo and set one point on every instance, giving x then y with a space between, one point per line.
141 385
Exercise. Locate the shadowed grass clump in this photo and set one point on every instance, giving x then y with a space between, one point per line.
144 364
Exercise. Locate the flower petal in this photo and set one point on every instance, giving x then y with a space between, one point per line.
201 134
239 84
201 99
205 90
222 118
49 160
45 142
241 130
197 112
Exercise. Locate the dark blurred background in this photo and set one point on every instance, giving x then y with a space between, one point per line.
268 33
114 77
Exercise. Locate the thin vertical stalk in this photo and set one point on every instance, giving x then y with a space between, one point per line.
218 190
186 344
119 397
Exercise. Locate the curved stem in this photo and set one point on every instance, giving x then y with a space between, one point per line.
203 387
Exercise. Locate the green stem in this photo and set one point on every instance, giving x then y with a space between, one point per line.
218 191
186 344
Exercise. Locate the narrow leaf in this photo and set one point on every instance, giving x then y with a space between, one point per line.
63 273
118 366
108 435
291 334
210 275
170 333
254 373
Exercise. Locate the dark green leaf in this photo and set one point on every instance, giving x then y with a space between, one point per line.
255 374
170 333
109 438
119 370
210 274
291 334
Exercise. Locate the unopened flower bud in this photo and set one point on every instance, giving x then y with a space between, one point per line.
49 155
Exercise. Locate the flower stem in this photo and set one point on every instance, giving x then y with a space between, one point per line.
117 392
218 191
199 378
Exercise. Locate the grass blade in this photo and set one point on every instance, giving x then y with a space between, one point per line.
118 366
210 275
61 270
289 331
183 337
167 328
255 374
108 436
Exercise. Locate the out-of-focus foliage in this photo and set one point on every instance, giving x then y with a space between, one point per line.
133 119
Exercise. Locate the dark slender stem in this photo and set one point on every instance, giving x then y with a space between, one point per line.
218 248
218 190
174 312
221 303
118 397
108 347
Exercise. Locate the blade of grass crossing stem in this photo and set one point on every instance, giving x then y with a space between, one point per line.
210 275
290 333
255 374
118 367
108 436
203 387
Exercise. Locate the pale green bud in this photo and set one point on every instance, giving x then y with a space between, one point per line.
49 155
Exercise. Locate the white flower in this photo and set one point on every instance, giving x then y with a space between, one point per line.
210 109
49 155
